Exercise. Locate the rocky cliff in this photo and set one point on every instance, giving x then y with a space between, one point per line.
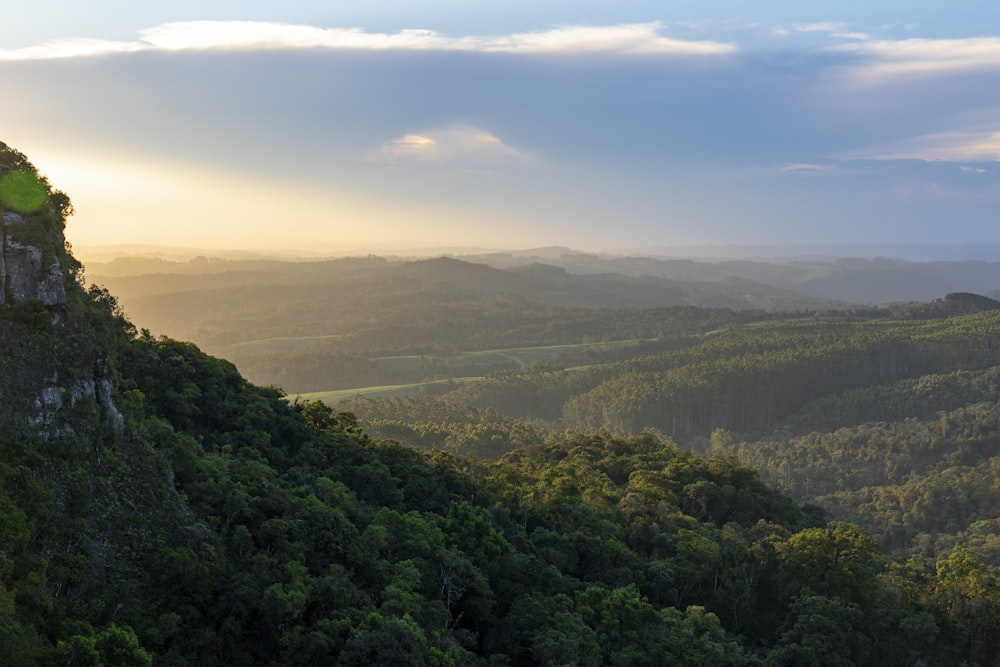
54 365
24 272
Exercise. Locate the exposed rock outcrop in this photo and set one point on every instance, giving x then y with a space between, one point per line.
58 395
24 272
60 383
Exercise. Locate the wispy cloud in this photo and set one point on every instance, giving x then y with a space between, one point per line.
818 27
460 144
923 56
805 168
970 146
834 29
637 38
78 47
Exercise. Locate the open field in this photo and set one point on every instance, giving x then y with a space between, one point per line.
334 396
444 366
386 391
522 356
283 343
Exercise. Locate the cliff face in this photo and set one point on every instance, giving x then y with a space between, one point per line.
24 272
55 376
62 395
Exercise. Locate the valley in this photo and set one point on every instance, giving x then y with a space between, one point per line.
486 466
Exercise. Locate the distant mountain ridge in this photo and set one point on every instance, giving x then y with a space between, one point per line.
260 296
625 281
856 280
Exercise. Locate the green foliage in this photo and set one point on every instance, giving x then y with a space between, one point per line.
797 375
112 647
920 486
956 303
825 631
246 529
749 379
430 423
43 210
920 397
226 524
22 191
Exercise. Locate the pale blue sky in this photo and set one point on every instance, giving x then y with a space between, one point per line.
335 126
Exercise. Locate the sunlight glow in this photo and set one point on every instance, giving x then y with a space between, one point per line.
145 204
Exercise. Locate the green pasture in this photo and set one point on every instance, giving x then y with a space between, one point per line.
385 391
488 360
283 343
522 356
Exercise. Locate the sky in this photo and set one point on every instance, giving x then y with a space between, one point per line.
326 127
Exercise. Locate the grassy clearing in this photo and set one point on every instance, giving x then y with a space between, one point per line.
385 391
394 390
282 344
521 356
488 360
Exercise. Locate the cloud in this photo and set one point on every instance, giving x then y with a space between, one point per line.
411 145
924 56
862 36
834 29
805 168
641 38
627 39
460 144
818 27
970 146
70 48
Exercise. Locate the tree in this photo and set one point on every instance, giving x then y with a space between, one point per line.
839 560
824 632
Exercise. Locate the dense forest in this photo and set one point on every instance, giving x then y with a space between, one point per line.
915 461
224 525
160 509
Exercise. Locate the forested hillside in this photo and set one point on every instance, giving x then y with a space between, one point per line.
890 423
224 526
159 509
742 378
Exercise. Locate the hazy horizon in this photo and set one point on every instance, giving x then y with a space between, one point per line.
763 253
308 127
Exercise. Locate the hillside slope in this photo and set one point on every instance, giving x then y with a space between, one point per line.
179 515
